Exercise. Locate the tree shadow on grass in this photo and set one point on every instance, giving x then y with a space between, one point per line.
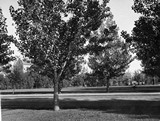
137 109
28 103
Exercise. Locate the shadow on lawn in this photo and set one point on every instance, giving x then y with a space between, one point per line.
137 108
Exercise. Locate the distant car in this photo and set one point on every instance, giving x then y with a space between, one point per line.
134 83
143 83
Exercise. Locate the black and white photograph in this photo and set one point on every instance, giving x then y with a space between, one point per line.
79 60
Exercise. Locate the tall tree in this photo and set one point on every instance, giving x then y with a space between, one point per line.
5 41
145 37
16 75
53 33
111 56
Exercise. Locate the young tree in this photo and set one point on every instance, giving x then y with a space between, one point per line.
145 37
16 75
89 80
111 56
5 41
53 33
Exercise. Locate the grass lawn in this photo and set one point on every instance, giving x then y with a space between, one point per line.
82 109
72 115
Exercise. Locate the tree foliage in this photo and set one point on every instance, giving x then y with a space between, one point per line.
4 82
35 80
16 75
53 33
91 81
110 56
145 38
5 41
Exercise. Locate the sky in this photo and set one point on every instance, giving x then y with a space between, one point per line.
124 17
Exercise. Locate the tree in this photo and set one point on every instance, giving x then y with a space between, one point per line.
78 80
145 37
28 82
4 82
5 41
111 56
91 80
53 33
16 75
35 80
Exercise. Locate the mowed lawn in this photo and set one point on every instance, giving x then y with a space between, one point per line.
73 115
112 107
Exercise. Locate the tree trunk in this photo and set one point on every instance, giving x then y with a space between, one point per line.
60 85
153 80
107 86
13 85
56 96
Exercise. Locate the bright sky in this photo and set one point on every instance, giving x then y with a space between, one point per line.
123 14
121 9
125 17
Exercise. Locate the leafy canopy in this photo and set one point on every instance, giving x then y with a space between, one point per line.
48 38
109 55
145 38
17 76
5 41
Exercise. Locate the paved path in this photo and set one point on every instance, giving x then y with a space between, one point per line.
90 96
